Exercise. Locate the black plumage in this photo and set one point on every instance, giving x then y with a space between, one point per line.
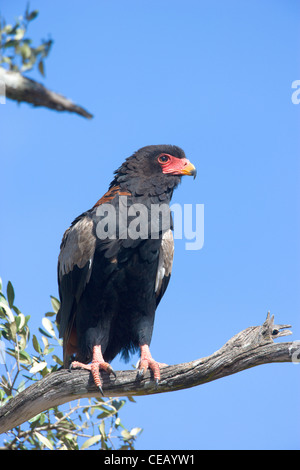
111 279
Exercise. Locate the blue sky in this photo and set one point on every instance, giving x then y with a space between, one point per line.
213 77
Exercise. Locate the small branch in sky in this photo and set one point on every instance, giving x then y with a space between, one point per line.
20 88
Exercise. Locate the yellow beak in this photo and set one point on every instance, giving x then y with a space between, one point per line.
189 170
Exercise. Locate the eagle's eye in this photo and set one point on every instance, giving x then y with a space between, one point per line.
163 158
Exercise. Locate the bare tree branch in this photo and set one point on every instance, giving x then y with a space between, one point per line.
20 88
249 348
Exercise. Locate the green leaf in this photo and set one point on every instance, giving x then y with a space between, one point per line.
6 60
10 294
131 399
41 68
14 28
117 404
10 43
24 357
91 441
57 360
107 409
37 367
35 418
126 435
50 314
22 342
104 415
25 51
48 326
7 311
7 29
46 344
20 321
36 345
19 34
31 16
16 310
55 303
13 330
2 395
44 440
42 418
44 332
135 431
102 429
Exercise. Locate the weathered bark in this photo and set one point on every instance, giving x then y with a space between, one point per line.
20 88
251 347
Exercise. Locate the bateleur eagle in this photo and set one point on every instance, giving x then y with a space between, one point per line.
113 272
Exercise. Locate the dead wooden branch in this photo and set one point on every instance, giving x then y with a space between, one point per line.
249 348
20 88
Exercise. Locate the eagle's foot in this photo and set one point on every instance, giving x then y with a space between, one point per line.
96 365
147 362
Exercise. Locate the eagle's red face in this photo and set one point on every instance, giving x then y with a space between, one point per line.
176 166
153 171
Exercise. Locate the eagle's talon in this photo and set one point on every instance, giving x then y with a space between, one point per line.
97 364
108 368
140 374
147 362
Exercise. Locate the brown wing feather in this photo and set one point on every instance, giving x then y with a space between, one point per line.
77 247
110 194
74 270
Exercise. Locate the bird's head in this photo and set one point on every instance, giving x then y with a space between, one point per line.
154 170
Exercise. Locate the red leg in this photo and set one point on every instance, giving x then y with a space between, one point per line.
97 364
147 362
